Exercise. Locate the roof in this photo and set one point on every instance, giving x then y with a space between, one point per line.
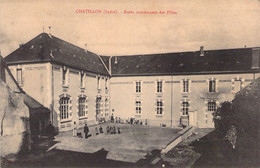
213 61
34 106
48 48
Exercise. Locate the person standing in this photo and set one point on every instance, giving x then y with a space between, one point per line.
86 131
74 129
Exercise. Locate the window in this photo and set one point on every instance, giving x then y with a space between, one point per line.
82 106
159 86
106 106
212 86
106 84
64 108
237 85
159 108
138 87
185 86
64 76
82 80
19 76
98 106
185 108
138 107
98 83
212 106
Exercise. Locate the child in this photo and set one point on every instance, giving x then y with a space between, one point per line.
108 129
96 129
119 130
101 130
75 129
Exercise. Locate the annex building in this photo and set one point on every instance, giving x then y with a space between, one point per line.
171 89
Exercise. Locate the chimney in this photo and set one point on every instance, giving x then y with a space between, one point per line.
50 31
21 45
116 61
86 48
201 51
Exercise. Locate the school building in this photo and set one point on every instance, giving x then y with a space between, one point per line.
182 88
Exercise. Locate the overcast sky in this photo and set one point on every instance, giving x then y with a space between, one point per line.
215 24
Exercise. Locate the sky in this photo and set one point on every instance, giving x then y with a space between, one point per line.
215 24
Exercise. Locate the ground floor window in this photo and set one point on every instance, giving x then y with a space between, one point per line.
138 107
185 108
98 105
212 106
64 108
82 106
159 108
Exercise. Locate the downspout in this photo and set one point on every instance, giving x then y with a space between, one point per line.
52 95
171 97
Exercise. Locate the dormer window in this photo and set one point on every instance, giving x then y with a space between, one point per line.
159 86
82 79
138 87
99 83
64 76
212 85
185 86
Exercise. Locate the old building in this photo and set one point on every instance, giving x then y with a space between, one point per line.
172 88
72 82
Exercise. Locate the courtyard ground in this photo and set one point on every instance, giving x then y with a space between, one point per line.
136 146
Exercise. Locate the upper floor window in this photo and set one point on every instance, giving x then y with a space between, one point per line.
64 108
185 108
212 106
159 108
159 86
138 87
212 85
82 106
185 86
19 73
138 108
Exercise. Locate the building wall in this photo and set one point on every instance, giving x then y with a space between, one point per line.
123 97
73 90
35 81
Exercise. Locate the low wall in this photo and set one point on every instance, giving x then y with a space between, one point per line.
182 135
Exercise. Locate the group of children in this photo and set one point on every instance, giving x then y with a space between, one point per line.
109 129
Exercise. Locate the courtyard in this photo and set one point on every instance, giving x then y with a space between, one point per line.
132 145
